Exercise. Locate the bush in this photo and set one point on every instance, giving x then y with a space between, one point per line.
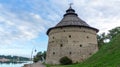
35 59
65 60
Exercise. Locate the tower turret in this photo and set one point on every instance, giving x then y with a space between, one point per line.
71 37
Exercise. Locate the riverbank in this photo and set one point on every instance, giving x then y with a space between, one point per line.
38 64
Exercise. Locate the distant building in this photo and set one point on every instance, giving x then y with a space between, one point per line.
71 37
4 60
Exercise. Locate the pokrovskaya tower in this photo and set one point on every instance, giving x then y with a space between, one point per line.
71 37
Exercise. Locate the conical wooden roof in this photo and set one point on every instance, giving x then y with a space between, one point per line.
71 19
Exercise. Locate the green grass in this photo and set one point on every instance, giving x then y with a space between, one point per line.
107 56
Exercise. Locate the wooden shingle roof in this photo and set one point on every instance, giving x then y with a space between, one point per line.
71 19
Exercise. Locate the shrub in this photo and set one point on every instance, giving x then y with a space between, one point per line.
35 59
65 60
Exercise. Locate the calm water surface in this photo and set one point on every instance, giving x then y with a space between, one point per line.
13 65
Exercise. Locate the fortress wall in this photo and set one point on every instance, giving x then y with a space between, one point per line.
78 43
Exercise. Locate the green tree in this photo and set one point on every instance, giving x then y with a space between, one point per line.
44 54
113 32
101 38
41 56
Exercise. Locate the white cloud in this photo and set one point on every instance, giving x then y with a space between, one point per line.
102 14
16 52
104 24
39 15
14 28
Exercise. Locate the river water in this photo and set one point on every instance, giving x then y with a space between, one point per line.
13 65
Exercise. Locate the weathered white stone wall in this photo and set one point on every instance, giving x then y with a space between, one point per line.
78 43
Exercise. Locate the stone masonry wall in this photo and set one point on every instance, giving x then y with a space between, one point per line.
78 43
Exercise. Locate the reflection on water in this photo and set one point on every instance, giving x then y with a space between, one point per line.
12 64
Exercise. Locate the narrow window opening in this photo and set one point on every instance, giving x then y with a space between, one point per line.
80 45
61 45
69 36
90 53
53 53
53 37
87 36
70 53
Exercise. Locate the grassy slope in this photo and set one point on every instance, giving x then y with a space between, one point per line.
107 56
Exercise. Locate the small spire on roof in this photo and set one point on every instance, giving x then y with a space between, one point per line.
70 5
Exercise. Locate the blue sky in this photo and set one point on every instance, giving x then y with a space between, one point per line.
23 23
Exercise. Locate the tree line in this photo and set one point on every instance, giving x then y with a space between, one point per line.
15 58
40 56
105 38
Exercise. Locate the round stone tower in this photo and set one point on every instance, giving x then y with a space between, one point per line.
71 37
